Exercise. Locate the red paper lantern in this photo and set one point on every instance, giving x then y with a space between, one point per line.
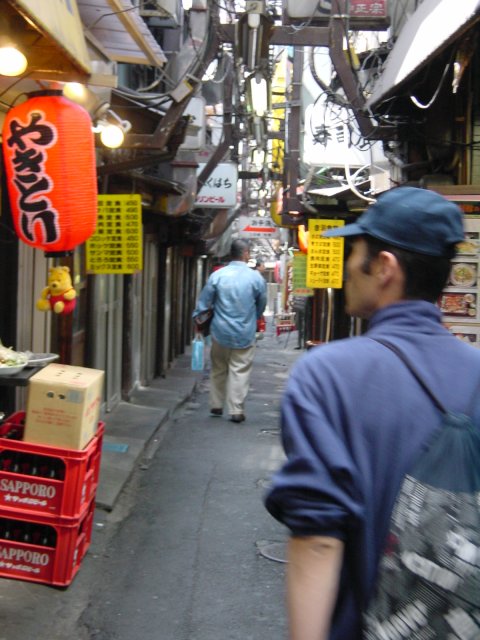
49 155
303 238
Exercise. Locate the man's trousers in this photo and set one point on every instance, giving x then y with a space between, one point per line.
230 377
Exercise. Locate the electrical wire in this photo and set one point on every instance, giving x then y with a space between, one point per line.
419 104
112 13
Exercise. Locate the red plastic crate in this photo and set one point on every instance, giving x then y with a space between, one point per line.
56 565
68 494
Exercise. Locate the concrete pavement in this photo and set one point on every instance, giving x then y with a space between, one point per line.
134 426
208 476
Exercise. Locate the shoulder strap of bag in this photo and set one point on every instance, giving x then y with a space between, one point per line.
414 372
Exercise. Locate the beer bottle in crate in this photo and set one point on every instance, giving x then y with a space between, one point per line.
6 461
27 532
25 464
5 533
16 462
34 469
48 536
58 469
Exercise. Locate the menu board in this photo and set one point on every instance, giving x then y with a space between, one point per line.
116 245
459 302
325 255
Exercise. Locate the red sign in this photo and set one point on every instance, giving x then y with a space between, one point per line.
49 155
364 13
259 229
368 8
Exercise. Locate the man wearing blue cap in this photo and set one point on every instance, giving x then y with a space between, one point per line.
353 416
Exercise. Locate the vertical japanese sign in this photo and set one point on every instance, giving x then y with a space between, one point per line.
300 275
325 256
116 245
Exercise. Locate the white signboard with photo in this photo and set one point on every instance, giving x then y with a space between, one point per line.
459 301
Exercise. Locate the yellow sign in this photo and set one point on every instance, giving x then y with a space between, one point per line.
299 284
116 245
325 255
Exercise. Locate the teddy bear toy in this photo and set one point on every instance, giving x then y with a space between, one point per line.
59 295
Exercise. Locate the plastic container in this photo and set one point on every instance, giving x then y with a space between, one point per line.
46 480
42 549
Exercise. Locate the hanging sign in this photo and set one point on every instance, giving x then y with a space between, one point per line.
365 14
220 190
116 246
325 255
258 227
53 205
299 284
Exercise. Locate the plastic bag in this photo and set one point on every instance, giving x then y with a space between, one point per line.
198 353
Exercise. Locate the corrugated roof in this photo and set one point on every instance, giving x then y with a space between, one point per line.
120 31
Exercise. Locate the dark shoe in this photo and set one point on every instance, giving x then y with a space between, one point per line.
216 412
237 417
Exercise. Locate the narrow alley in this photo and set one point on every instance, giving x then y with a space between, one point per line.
188 552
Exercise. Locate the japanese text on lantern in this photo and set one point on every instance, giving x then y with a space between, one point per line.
325 256
116 246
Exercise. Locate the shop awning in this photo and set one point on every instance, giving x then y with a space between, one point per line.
50 35
120 31
428 31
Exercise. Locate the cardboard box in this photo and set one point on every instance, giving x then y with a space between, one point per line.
63 406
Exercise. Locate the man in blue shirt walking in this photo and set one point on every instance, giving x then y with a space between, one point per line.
237 295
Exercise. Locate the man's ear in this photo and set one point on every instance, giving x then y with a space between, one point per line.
387 268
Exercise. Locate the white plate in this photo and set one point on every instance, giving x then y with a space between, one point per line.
463 274
11 371
41 359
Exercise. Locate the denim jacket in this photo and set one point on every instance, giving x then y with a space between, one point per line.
237 295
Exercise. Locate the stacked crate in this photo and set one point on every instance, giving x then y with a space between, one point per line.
47 501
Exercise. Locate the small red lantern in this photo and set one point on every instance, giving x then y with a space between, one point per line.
303 238
49 155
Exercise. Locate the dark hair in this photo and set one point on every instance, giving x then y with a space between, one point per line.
425 276
238 249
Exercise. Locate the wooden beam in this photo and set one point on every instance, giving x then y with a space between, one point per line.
306 37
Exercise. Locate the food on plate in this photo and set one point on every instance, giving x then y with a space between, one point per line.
468 246
463 274
458 304
11 358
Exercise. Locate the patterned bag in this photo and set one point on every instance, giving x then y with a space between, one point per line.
428 586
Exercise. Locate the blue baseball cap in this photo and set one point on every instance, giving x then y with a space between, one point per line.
414 219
